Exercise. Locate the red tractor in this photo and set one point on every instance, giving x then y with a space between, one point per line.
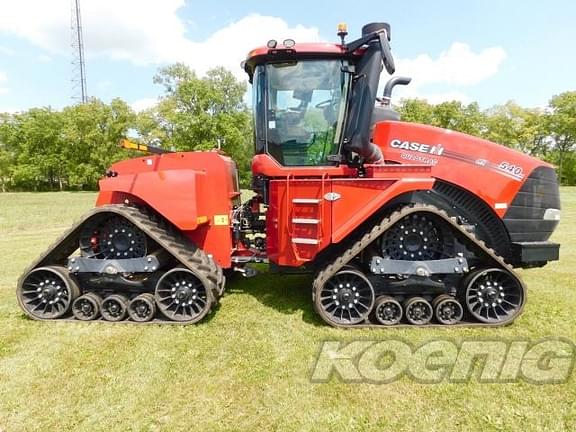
398 223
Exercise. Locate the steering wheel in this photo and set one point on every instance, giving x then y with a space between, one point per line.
325 104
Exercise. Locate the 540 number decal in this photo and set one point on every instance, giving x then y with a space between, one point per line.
515 170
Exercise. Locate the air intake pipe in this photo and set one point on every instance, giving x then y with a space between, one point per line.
357 137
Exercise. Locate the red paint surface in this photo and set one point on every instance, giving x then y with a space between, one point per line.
190 189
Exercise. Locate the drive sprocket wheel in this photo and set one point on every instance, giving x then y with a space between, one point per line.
417 237
113 238
346 298
47 292
493 295
182 295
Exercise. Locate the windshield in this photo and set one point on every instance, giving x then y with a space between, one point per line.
306 106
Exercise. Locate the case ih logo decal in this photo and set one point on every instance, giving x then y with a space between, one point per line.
419 147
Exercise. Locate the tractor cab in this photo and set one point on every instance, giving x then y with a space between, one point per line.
314 103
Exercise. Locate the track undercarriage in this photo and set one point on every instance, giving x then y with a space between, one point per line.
132 266
418 266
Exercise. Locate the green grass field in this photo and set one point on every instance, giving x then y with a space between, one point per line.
247 367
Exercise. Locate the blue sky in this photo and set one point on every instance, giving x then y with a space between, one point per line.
485 51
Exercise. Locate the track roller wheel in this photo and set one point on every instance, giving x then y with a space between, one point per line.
447 309
182 295
47 292
493 295
346 298
115 307
142 308
418 311
387 311
87 307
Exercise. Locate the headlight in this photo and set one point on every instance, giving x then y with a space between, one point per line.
552 214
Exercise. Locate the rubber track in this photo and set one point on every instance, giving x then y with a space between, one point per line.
168 237
470 240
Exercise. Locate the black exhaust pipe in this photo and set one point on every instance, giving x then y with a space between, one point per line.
393 82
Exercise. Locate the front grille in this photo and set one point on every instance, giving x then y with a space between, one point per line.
525 216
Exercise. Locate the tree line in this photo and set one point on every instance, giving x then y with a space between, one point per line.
547 133
43 149
46 149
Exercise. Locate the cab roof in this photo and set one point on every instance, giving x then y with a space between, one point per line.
296 52
308 48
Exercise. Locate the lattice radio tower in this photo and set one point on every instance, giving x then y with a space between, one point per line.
79 93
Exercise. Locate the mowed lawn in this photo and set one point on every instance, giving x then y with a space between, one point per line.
247 367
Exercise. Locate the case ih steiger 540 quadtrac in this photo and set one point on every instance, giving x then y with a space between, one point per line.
397 222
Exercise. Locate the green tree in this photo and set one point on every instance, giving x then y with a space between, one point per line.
8 150
416 111
562 129
449 115
39 161
456 116
92 132
201 114
517 127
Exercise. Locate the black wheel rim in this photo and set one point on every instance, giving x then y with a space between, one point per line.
449 311
181 296
418 311
417 237
85 308
142 309
114 308
388 311
493 296
347 298
113 238
45 293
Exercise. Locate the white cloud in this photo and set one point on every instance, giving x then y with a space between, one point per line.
459 66
152 33
144 32
143 104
